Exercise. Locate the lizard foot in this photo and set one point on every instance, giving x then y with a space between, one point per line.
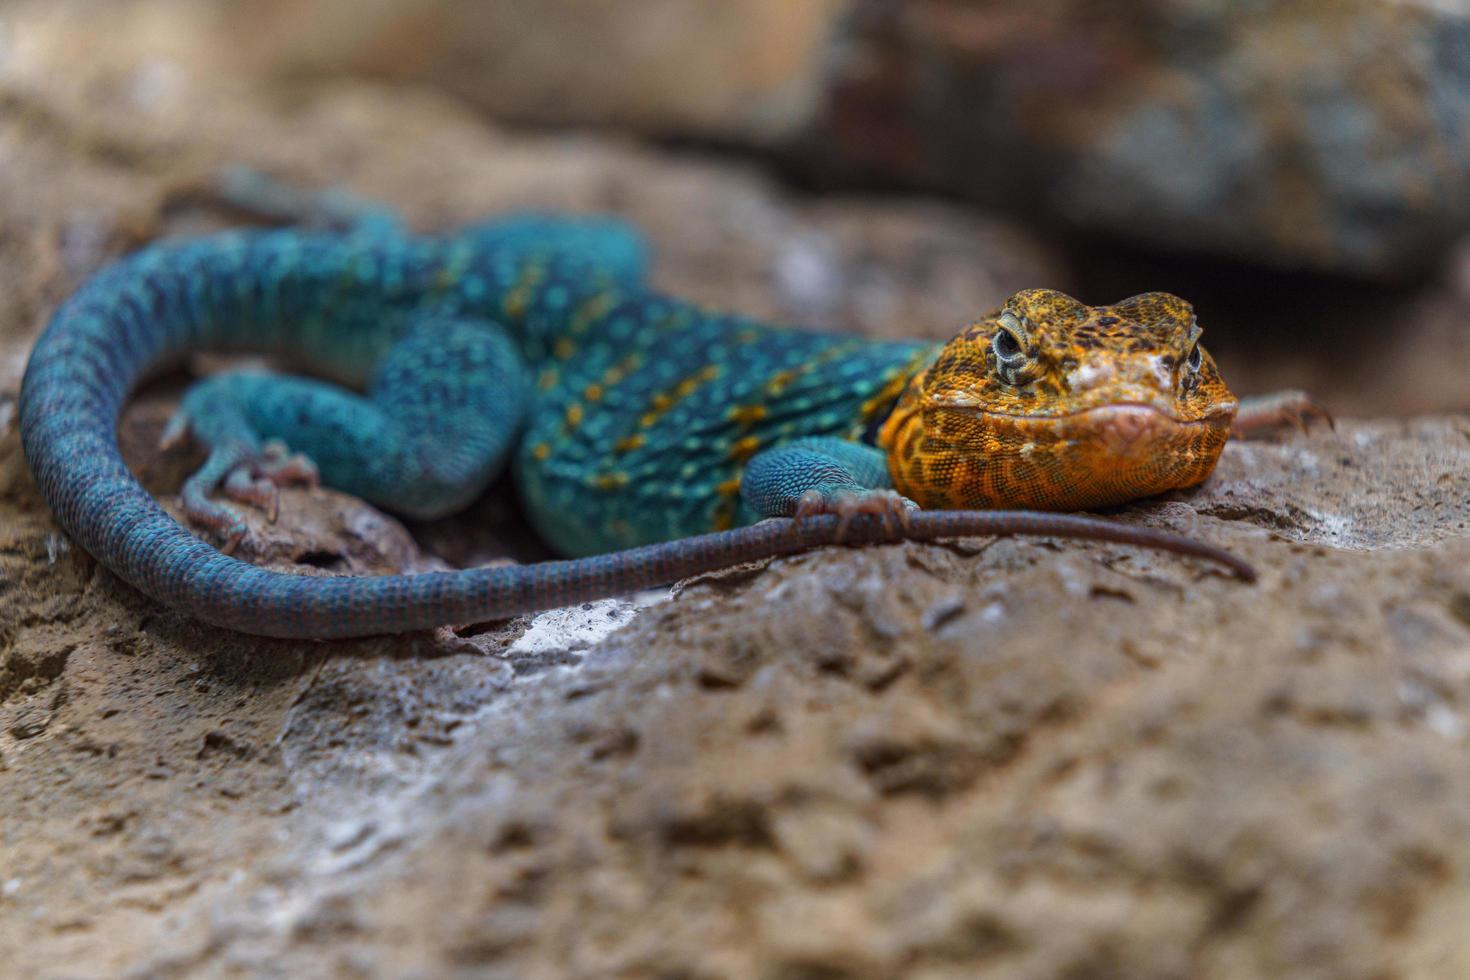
246 475
891 507
1268 412
256 482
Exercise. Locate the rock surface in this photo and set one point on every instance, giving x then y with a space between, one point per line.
1031 758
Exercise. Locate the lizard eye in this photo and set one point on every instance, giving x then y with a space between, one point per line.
1010 352
1194 360
1007 347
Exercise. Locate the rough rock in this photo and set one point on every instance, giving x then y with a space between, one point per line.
1029 758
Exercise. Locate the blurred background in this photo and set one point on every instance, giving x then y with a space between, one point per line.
1301 171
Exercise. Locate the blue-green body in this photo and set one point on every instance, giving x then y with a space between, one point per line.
628 417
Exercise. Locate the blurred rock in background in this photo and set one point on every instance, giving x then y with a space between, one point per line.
1332 136
1326 136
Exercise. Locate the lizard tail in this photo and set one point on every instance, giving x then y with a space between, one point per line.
150 309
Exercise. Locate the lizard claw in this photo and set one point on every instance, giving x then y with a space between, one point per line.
889 506
245 475
259 492
1293 408
205 513
284 468
233 537
177 433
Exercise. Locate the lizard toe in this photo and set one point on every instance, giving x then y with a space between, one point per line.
209 515
284 468
244 486
243 474
1268 413
888 506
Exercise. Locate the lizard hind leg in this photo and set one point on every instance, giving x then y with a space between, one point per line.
459 392
437 422
330 209
242 469
240 465
611 247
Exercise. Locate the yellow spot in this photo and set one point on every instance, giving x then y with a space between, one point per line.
780 380
662 403
591 310
454 268
563 349
547 380
686 387
593 392
619 371
520 295
892 388
730 488
648 419
574 415
630 443
747 414
745 448
709 372
541 451
610 481
724 520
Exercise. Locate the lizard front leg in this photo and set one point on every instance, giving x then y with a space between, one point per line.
435 425
1262 413
807 477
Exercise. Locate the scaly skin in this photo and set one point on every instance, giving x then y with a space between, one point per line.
1055 405
629 418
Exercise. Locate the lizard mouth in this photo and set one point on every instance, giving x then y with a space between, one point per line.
1096 456
1126 431
1129 428
1140 411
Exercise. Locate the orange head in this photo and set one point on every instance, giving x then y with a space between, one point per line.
1051 404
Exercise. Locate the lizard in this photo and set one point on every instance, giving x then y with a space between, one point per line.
650 439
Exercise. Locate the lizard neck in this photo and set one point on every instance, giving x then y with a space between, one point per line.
901 430
878 410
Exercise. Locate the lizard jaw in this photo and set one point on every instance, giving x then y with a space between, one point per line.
1136 431
1095 457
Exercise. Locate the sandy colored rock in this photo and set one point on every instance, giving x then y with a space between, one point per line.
748 71
1030 758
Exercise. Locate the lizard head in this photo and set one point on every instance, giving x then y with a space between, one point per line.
1051 404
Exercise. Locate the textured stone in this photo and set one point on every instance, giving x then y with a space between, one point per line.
1029 759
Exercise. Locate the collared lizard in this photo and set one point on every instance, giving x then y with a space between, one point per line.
648 436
